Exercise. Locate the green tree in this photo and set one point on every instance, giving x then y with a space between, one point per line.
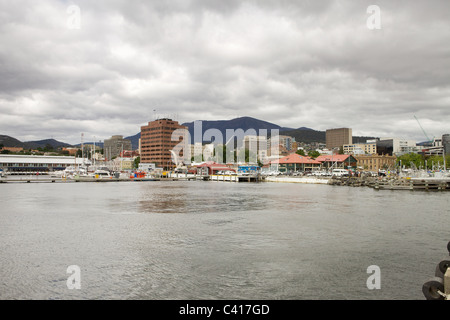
48 147
314 154
300 152
137 160
411 160
437 161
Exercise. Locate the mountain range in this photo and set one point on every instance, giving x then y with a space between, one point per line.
8 141
301 134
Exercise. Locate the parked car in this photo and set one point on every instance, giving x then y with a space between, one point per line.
340 173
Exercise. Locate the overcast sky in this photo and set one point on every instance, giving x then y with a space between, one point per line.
316 63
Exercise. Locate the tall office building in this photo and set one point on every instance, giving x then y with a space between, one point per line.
156 142
114 146
336 138
446 143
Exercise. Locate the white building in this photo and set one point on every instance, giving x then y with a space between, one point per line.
20 163
257 145
396 146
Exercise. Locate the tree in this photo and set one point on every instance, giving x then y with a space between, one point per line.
314 154
300 152
411 160
433 162
137 160
48 147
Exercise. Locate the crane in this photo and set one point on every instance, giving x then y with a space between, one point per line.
428 139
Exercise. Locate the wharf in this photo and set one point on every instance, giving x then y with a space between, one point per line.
236 178
394 183
47 179
307 180
34 179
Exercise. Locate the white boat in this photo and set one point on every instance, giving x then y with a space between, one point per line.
101 174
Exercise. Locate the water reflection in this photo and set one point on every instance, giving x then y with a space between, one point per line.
188 198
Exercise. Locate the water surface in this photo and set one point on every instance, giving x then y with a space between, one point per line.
218 240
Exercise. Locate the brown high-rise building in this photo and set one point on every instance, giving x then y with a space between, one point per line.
336 138
156 142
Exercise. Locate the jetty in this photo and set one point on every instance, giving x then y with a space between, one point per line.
395 183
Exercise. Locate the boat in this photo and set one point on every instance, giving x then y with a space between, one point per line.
101 174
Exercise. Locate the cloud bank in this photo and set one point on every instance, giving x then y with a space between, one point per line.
115 65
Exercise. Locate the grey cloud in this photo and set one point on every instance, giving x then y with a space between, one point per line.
295 63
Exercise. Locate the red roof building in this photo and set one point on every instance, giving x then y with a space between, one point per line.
295 162
213 167
337 161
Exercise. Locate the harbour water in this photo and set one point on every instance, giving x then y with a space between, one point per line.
218 240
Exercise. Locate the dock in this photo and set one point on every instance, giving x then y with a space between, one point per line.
237 178
426 184
395 183
47 179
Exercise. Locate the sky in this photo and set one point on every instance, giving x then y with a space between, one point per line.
106 68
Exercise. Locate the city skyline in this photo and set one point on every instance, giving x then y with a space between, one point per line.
107 68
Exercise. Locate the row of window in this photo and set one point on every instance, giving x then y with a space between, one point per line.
55 165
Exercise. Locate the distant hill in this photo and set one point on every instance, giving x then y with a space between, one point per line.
307 135
301 134
244 123
134 140
8 141
42 143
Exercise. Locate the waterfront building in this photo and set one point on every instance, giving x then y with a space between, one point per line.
294 162
157 143
211 167
375 162
33 163
71 151
287 142
11 149
149 167
336 138
114 146
337 161
122 163
360 148
396 146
